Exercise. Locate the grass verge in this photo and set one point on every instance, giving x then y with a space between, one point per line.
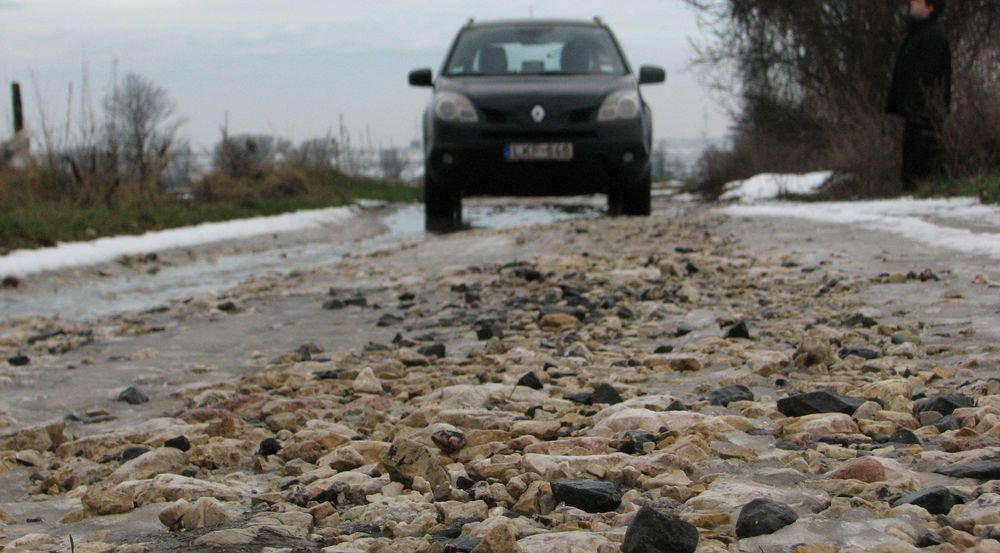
39 224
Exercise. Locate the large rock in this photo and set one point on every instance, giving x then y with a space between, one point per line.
821 424
592 496
157 461
937 500
763 516
982 512
205 512
980 470
865 469
171 487
549 542
654 532
407 460
105 500
43 437
811 403
945 405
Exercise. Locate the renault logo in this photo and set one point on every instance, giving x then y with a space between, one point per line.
538 113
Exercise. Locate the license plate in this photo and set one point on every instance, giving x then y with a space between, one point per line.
539 151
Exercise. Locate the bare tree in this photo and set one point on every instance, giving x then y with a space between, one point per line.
140 130
392 162
317 153
802 72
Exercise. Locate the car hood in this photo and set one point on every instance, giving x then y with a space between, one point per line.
504 91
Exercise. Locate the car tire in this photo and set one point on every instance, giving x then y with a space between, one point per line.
636 197
442 206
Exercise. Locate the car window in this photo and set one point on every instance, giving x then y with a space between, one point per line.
535 50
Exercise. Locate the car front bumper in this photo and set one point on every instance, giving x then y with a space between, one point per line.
471 159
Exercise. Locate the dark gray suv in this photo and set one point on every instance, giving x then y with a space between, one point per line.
535 107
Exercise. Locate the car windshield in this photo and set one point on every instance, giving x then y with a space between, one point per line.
535 49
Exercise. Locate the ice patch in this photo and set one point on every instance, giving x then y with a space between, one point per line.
924 221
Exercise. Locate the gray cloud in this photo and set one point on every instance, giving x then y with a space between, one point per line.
9 4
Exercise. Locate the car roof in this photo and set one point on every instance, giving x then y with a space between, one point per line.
472 24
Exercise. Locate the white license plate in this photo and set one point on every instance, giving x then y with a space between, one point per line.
539 151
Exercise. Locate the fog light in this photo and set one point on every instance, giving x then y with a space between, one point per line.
447 159
629 157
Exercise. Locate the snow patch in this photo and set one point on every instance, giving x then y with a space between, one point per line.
768 186
75 254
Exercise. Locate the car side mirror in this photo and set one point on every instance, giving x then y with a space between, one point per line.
421 77
651 74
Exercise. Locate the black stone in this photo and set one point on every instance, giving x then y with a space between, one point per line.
738 330
666 348
228 307
180 442
904 436
268 446
10 282
859 319
356 300
592 496
530 380
360 528
632 441
677 405
812 403
133 396
763 516
584 398
461 544
333 304
864 353
373 346
946 423
654 532
529 274
406 296
684 249
606 393
130 453
388 319
19 360
691 268
945 405
45 335
486 330
330 374
432 350
929 539
729 394
329 495
937 500
979 470
464 483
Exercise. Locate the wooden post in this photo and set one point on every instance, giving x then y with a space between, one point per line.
15 90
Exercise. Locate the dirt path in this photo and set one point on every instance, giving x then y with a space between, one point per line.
681 276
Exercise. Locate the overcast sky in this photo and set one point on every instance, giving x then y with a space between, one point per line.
292 68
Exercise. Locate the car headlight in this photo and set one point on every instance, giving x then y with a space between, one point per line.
623 104
450 106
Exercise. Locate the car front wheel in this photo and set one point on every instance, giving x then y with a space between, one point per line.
442 206
636 196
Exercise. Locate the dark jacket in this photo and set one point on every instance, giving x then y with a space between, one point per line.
922 72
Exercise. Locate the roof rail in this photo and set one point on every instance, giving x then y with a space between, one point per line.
599 21
470 21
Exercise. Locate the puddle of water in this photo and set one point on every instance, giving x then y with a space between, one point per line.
78 298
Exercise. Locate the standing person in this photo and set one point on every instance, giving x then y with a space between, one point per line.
921 90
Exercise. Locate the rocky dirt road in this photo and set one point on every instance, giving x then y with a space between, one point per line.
683 382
